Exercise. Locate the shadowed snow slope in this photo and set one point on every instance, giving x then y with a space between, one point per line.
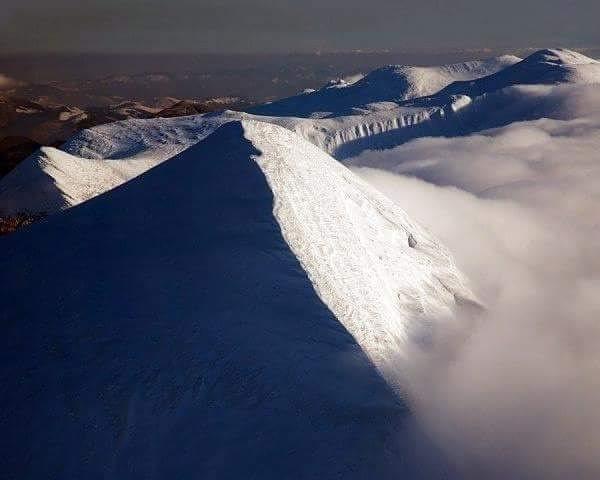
227 314
393 83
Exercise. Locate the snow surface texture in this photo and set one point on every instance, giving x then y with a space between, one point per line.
174 325
52 180
410 276
49 181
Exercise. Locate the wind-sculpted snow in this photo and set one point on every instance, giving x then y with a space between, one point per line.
227 314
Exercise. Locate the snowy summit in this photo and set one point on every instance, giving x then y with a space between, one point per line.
241 301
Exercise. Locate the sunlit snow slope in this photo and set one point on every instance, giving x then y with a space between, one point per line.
230 313
393 83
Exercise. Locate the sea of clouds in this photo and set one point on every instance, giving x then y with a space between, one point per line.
517 393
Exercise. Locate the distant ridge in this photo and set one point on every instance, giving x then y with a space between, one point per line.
549 66
392 83
103 157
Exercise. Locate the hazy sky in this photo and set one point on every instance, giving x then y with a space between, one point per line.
293 25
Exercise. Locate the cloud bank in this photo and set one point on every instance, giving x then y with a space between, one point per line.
516 394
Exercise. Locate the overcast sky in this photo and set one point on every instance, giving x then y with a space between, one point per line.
293 25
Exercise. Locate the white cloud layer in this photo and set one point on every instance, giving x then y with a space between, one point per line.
518 395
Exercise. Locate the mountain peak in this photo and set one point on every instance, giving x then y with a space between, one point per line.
228 303
558 56
391 83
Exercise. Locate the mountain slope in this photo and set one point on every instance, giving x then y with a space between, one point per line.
228 313
51 180
549 66
393 83
96 160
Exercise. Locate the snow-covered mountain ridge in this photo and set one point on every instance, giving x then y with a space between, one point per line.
410 275
230 312
392 83
50 180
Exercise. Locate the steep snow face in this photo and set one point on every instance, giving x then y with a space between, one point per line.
347 228
175 329
393 83
542 67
